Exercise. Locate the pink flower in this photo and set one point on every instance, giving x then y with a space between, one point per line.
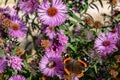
28 6
50 32
105 44
18 29
51 65
52 15
17 77
15 62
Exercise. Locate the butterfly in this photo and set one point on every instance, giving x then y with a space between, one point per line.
74 67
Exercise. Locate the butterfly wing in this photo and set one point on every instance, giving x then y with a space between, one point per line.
68 66
78 67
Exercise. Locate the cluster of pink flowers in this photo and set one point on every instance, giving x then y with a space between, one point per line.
51 17
14 62
10 19
53 54
52 14
13 27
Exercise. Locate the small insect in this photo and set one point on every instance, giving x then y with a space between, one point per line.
74 67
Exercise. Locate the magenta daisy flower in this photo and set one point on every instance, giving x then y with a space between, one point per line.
3 64
17 77
105 44
52 14
50 32
18 29
28 6
15 62
51 65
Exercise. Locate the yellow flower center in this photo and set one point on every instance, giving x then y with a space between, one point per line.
15 27
113 2
106 43
45 44
97 24
7 22
51 64
52 11
52 28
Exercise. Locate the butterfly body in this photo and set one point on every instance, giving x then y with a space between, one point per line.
74 67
